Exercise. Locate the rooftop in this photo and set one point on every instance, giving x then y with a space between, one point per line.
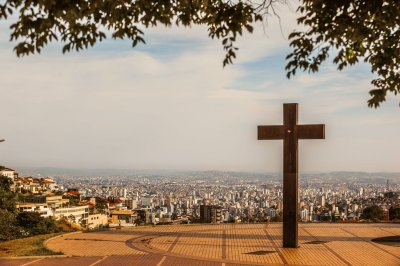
122 212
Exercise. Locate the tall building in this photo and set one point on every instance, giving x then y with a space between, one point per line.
304 215
321 200
130 203
210 214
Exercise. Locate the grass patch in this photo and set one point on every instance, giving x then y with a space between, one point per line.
30 246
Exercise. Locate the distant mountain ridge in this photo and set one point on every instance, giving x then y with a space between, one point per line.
348 175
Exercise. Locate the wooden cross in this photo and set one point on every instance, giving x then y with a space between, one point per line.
290 132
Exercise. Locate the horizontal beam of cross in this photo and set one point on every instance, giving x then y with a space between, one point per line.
303 132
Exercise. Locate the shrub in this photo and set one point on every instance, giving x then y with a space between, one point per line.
33 224
8 228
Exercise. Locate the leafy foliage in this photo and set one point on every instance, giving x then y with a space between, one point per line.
73 200
7 201
34 224
5 183
101 205
81 24
12 224
8 228
373 212
354 30
394 212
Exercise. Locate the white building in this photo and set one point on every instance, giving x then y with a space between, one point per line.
77 214
42 208
304 215
8 172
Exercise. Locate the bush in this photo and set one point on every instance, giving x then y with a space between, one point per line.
394 212
5 183
8 228
7 201
373 212
33 224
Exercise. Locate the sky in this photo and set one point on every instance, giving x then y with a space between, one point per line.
170 104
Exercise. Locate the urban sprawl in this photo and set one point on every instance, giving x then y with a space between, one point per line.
91 202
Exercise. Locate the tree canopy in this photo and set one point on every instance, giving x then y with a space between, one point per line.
352 30
80 24
373 212
5 183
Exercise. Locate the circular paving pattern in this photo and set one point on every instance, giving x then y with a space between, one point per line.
227 244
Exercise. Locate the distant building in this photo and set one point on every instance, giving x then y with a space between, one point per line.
77 215
146 201
123 218
46 206
210 214
145 215
42 208
35 185
8 172
96 221
130 203
304 215
272 212
322 201
56 201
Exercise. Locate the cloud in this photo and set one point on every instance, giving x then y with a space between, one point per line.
170 104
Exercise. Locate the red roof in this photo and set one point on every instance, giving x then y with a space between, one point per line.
73 193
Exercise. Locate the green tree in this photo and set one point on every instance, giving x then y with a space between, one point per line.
73 200
7 198
80 24
8 225
5 183
101 205
394 212
353 30
7 201
138 221
373 212
8 228
33 224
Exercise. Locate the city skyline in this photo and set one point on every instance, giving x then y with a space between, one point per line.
169 104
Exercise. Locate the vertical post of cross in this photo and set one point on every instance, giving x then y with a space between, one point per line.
290 176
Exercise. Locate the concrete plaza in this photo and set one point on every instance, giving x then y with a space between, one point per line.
225 245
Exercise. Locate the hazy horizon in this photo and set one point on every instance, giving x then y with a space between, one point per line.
49 168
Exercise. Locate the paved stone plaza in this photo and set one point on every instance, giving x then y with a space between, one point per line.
223 245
